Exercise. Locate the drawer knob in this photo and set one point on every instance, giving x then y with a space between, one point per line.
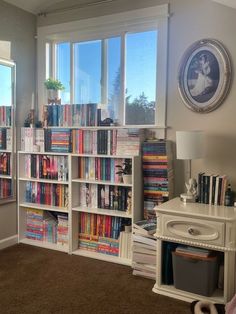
192 231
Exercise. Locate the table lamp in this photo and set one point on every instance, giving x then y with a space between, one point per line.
189 146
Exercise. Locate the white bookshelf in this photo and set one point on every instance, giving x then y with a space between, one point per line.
78 208
24 205
75 208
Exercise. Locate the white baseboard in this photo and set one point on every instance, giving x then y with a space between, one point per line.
8 242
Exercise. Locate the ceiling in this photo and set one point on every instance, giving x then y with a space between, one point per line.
38 6
34 6
230 3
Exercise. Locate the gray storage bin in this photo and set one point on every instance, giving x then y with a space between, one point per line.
195 274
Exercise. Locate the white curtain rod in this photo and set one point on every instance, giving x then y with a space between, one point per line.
76 6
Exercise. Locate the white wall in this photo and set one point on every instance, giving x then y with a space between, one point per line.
190 21
17 30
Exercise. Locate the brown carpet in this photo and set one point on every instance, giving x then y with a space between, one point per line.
34 280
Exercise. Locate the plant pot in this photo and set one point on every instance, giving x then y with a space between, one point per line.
53 95
127 178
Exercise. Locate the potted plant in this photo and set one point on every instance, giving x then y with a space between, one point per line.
125 171
53 89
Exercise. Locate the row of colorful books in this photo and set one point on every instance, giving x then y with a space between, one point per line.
57 140
212 188
106 142
31 137
64 140
5 163
144 249
46 167
71 115
157 174
46 226
98 244
99 168
5 115
6 188
5 138
104 196
102 225
46 193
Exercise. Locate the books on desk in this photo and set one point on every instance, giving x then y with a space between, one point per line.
144 249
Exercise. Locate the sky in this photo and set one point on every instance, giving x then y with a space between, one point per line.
5 85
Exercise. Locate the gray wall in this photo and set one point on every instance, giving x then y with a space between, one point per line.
17 31
190 21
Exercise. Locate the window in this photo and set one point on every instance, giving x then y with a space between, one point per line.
87 69
140 70
120 65
62 69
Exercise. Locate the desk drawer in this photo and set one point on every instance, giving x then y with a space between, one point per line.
193 229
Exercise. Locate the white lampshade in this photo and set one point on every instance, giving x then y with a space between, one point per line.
189 144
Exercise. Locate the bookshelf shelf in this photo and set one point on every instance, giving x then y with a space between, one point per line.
44 180
101 182
5 151
44 207
101 156
112 127
103 257
42 153
46 245
102 211
5 177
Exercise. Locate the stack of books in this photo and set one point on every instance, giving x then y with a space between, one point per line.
5 138
58 140
5 115
31 137
157 174
70 115
144 249
125 243
212 188
62 229
128 142
46 226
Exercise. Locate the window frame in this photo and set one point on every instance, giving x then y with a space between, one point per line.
104 27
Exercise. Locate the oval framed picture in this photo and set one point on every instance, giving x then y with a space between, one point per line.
204 75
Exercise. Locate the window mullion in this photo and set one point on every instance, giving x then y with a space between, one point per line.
121 109
54 60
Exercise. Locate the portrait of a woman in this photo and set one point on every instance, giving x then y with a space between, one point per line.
203 76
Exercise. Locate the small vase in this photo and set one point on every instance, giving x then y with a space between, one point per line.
127 178
53 95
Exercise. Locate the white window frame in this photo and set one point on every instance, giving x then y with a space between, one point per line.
110 26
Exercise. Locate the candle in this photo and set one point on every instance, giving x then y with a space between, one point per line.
32 101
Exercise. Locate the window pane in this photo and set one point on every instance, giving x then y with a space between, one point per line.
114 88
141 55
63 70
87 80
5 86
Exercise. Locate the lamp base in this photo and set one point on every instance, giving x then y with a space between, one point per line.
187 198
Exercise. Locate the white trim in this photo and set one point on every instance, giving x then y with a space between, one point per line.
103 27
128 18
4 243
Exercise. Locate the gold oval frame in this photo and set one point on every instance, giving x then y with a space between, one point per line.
222 62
